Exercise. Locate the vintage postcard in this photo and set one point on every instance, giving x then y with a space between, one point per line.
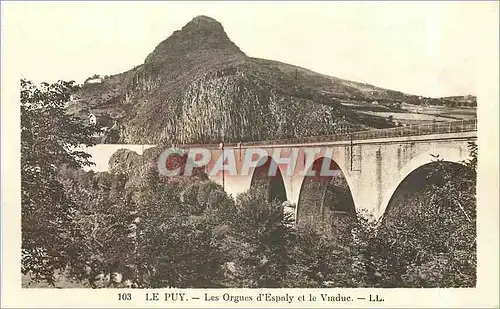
249 154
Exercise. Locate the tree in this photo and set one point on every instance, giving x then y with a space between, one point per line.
428 238
48 139
177 242
152 232
260 234
332 254
105 217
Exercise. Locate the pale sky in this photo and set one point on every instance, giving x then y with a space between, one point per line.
422 48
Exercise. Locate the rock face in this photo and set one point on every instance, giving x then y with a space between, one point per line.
197 86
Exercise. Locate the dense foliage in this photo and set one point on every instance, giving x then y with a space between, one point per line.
48 139
131 227
428 236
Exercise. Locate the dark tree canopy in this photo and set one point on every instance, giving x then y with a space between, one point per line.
48 140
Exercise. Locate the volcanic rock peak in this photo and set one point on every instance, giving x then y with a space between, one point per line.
204 22
201 33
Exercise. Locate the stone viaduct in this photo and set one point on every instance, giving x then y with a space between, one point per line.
373 163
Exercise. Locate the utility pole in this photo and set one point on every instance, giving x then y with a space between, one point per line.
223 159
352 148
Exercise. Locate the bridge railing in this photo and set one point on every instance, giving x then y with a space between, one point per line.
416 130
468 125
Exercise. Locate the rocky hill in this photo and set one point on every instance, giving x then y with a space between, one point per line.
197 86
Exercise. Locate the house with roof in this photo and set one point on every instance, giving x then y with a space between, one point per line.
92 119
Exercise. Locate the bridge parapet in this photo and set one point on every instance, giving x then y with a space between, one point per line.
459 126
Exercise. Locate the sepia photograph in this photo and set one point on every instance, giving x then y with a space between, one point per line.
218 146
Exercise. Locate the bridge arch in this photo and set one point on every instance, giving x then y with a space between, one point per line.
329 187
447 154
273 184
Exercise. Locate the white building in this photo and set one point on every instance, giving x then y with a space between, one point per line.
97 80
92 119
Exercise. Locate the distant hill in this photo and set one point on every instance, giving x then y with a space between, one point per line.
197 86
457 101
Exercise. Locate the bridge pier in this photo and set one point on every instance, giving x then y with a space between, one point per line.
292 187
